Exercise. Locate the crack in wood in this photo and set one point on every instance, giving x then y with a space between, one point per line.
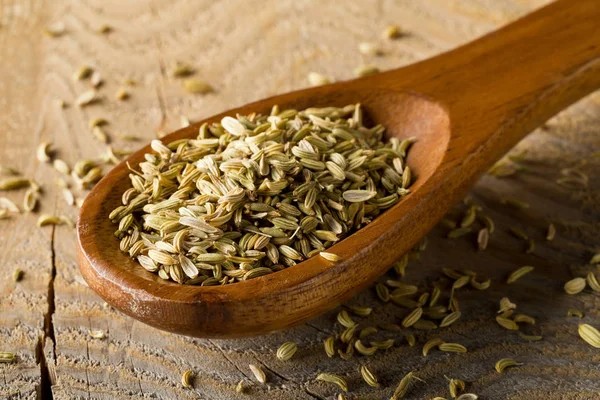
227 358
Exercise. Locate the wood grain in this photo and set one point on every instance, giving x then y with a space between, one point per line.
270 53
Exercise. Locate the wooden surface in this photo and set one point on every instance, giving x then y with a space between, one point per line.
260 56
512 76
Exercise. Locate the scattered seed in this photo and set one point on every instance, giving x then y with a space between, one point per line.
344 319
7 357
97 334
122 94
47 219
456 386
365 70
595 259
551 233
575 286
452 348
402 387
458 232
574 313
369 49
592 282
467 396
14 183
287 351
87 98
360 311
17 274
316 79
519 273
331 378
518 233
590 335
413 317
197 86
82 73
450 319
240 387
364 350
61 166
368 376
432 343
43 152
530 246
482 238
531 338
187 379
392 32
55 30
507 323
259 374
330 256
182 70
367 331
383 344
524 319
329 345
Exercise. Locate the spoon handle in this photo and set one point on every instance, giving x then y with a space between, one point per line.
502 86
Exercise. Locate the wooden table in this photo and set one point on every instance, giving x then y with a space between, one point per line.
248 50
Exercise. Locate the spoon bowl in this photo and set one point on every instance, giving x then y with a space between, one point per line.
466 108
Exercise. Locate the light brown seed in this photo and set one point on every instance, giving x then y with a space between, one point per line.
259 374
286 351
524 319
240 387
7 357
329 345
452 348
467 396
331 378
518 233
182 70
507 323
402 387
197 86
17 274
575 286
47 219
504 363
360 311
14 183
82 73
317 79
97 334
369 49
519 273
345 320
574 313
595 259
530 338
187 379
483 238
450 319
55 30
392 32
550 233
368 376
410 339
365 70
430 344
87 98
456 386
590 335
364 350
592 282
413 317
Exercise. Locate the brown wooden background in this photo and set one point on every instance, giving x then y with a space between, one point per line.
248 50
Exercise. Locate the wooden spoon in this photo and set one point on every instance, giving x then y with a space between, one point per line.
467 108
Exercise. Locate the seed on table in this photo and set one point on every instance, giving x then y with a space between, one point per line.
329 345
402 387
369 49
8 205
507 323
82 73
392 32
332 378
368 376
551 233
43 152
186 379
362 349
413 317
504 363
317 79
431 344
365 70
590 335
55 30
87 98
519 273
197 86
467 396
574 313
240 387
17 274
575 286
259 374
592 282
7 357
97 334
14 183
360 311
286 351
595 259
182 70
452 347
450 319
524 319
530 338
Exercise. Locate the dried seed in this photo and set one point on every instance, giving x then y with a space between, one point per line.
96 79
358 196
196 86
47 219
410 339
43 152
458 232
456 386
524 318
506 305
467 396
344 319
331 378
592 282
383 344
530 246
55 30
7 357
501 365
8 205
531 338
17 274
259 374
519 273
369 49
430 344
87 98
365 70
413 317
329 345
14 183
551 233
360 311
382 292
316 79
595 259
574 313
575 286
182 70
481 285
368 376
122 94
82 73
590 335
507 323
482 238
286 351
97 334
402 387
187 379
362 349
392 32
240 387
330 256
450 319
452 348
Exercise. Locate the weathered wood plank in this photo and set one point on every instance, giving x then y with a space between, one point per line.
248 50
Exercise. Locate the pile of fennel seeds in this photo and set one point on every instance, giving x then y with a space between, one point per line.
258 193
